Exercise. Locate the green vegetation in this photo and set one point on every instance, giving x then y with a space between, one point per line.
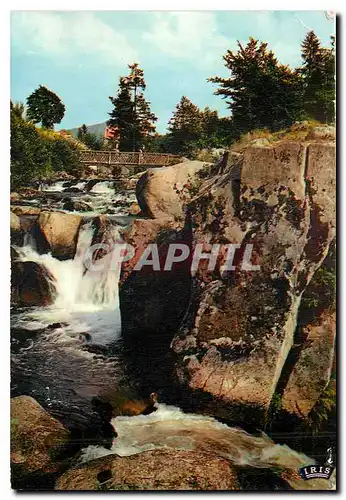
191 130
45 107
318 75
265 99
131 115
92 141
324 409
36 152
262 93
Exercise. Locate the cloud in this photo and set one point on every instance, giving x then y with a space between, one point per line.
70 35
190 36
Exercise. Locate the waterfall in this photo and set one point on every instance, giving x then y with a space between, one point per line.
87 299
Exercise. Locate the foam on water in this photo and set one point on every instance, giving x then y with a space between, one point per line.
86 299
56 186
103 187
170 427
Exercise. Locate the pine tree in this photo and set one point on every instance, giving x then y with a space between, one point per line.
131 112
260 92
185 127
318 72
45 107
82 131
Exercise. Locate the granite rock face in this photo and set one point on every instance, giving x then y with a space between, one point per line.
280 200
164 192
267 214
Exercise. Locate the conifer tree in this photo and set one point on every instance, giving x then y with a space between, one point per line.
260 92
318 72
185 127
131 112
82 131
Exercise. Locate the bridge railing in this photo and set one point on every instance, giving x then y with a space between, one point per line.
127 158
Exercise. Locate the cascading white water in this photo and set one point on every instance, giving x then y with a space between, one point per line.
87 299
80 185
103 187
170 427
56 186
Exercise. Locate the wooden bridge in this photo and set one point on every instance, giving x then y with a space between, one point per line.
113 158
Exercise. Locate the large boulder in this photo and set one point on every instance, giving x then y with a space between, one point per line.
164 192
36 437
57 233
31 284
163 469
15 223
279 199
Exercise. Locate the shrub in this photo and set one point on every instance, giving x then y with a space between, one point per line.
37 153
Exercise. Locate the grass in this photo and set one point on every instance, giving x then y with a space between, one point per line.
296 132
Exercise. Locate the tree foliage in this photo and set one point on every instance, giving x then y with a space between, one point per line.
91 140
185 127
45 107
191 129
131 113
260 92
35 152
318 73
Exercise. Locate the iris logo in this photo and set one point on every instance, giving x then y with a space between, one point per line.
319 471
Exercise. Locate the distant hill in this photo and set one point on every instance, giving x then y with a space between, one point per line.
98 129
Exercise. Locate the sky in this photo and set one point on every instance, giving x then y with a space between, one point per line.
81 55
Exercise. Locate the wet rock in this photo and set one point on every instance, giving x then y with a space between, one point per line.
15 223
72 189
76 206
17 234
152 470
29 192
26 210
31 284
90 184
14 254
104 171
36 437
15 197
57 233
134 209
164 192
